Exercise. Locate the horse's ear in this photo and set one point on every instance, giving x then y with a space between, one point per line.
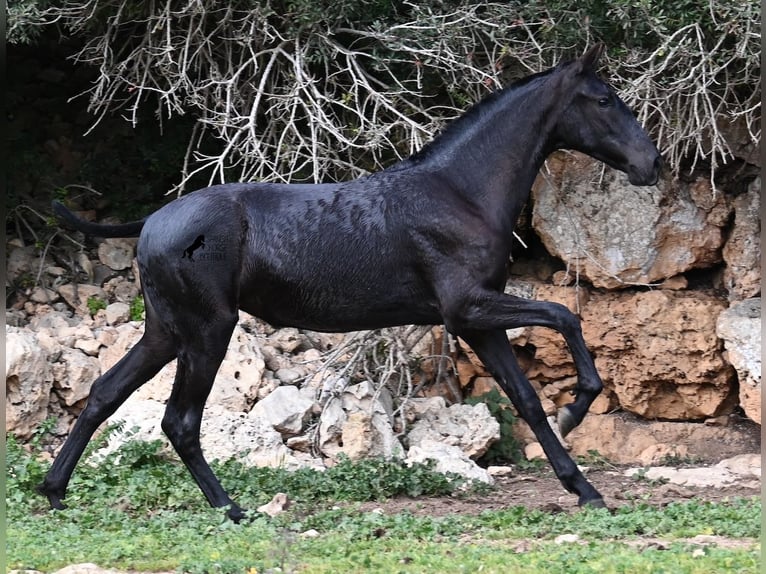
590 58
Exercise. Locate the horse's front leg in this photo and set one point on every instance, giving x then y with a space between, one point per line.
492 310
495 351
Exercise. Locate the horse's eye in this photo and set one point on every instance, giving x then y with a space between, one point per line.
603 102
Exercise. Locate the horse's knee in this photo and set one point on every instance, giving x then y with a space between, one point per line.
182 430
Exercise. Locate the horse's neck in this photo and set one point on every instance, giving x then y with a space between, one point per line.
496 161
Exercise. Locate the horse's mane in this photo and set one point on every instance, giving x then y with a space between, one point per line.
454 129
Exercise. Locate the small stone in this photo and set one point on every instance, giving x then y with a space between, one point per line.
77 298
310 533
116 254
534 451
549 407
88 346
288 376
300 443
566 539
500 470
55 270
276 506
42 295
117 313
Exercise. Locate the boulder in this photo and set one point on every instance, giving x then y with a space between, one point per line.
359 424
285 409
75 375
740 328
656 351
447 459
330 431
625 439
224 435
117 254
471 428
28 383
237 381
616 234
659 354
77 296
369 436
742 252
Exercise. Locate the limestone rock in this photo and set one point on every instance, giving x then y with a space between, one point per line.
77 297
330 430
224 435
28 383
471 428
364 397
285 409
358 423
615 233
276 505
42 295
741 469
237 381
657 351
117 313
740 328
448 459
534 451
117 253
369 436
76 378
742 252
625 439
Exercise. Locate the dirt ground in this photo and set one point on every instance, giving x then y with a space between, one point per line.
540 489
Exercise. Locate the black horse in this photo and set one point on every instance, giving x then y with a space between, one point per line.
423 242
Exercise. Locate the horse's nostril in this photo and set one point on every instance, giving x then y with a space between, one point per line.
658 163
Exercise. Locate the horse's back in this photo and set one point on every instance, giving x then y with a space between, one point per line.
330 257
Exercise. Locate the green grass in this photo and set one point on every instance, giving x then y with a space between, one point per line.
138 510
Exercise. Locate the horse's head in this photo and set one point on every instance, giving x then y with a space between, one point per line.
596 122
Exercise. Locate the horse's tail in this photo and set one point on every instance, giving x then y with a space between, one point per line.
132 229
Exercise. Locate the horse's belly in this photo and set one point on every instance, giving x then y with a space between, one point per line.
338 308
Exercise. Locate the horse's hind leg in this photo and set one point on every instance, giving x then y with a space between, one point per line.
199 357
108 392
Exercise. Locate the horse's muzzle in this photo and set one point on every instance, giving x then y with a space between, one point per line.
648 176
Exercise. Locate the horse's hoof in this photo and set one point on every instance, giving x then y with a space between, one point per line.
53 499
566 421
592 503
235 514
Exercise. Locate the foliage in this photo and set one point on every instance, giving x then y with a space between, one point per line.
137 309
95 304
305 90
138 510
507 449
25 19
